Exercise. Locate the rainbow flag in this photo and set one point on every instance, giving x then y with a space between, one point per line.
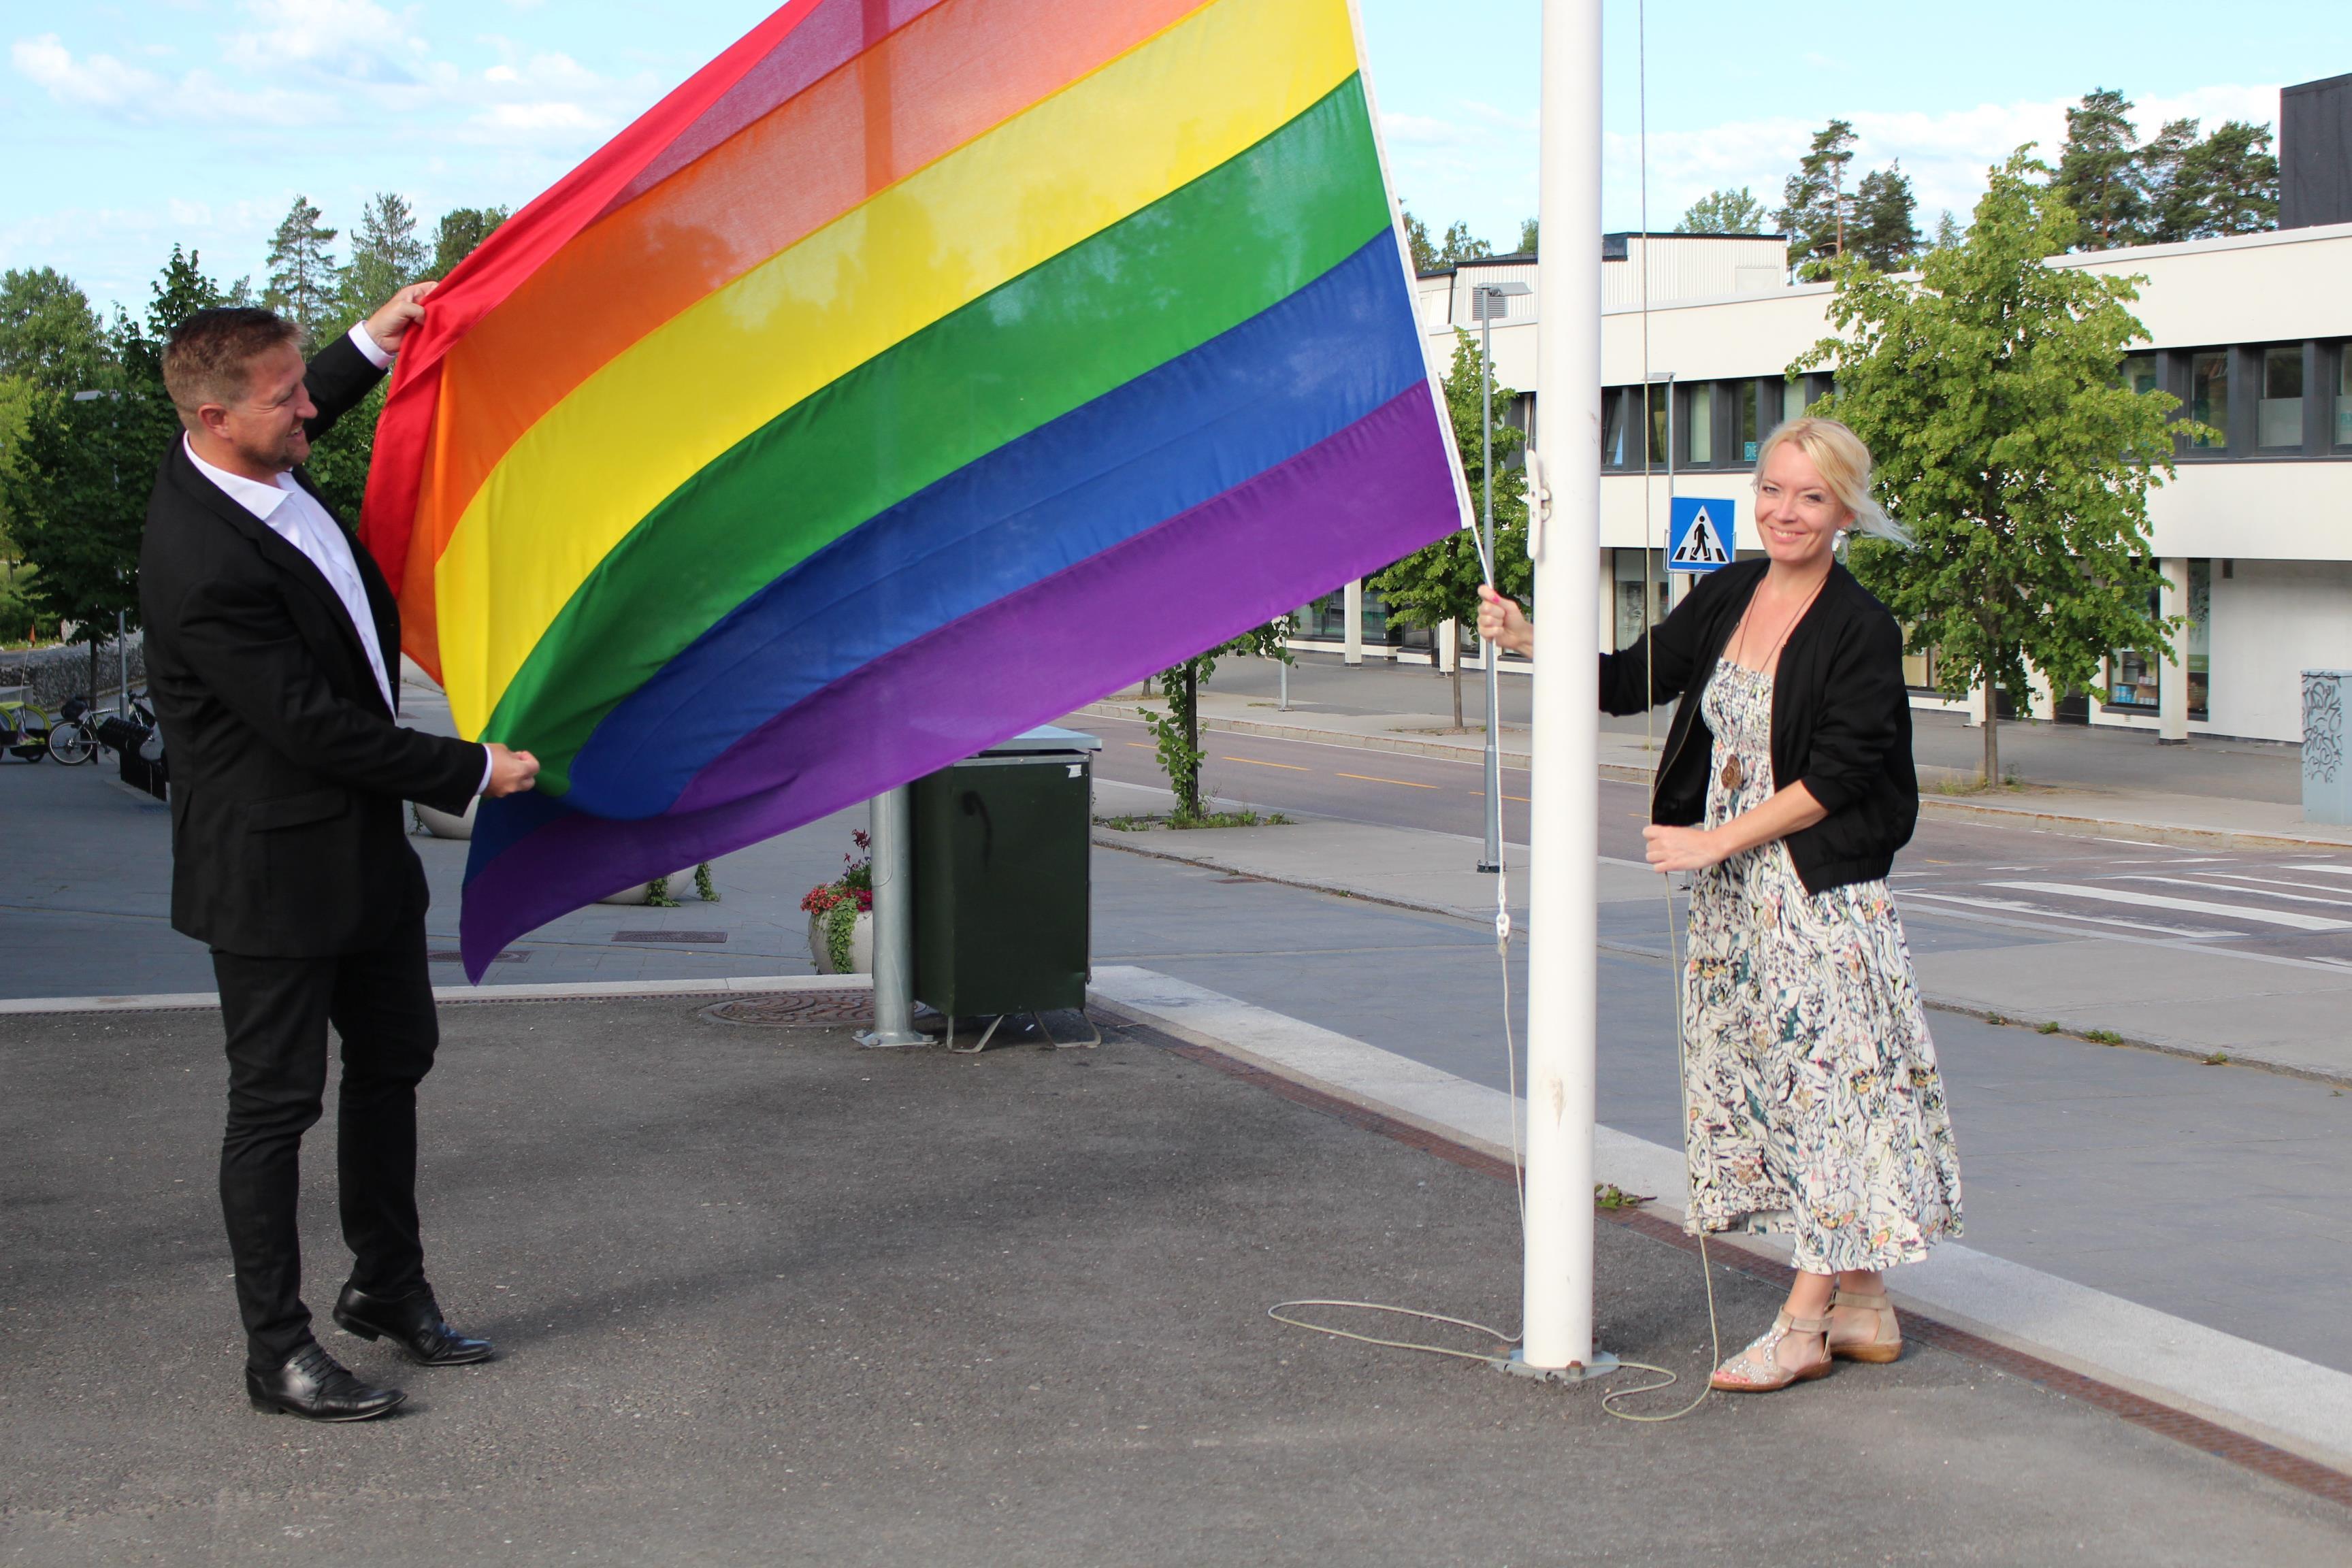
916 373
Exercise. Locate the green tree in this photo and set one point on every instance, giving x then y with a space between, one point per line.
2101 176
1813 206
1531 231
1724 212
2226 184
1461 245
303 279
1987 390
461 229
1417 240
79 481
49 334
1885 232
1176 733
1439 583
386 256
1948 232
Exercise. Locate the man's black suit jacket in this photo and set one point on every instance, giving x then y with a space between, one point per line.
288 838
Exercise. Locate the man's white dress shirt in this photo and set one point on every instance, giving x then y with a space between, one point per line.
295 517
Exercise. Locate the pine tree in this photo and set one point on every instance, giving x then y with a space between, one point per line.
2227 183
302 277
1813 210
386 256
1949 232
1724 212
1885 231
2100 174
461 229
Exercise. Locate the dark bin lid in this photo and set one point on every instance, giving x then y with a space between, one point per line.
1044 737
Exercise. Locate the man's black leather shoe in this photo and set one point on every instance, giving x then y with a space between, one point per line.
413 1323
316 1387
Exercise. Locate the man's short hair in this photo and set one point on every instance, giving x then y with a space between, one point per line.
210 356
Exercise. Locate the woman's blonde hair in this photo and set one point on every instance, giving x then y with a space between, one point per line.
1844 465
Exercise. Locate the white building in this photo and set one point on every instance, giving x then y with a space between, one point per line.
2254 534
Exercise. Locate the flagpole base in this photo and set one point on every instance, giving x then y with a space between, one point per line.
1601 1365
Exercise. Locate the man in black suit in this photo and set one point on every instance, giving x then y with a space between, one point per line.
273 648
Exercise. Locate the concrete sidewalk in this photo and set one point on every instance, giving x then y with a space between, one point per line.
765 1298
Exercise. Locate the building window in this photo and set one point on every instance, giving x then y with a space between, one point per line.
2132 683
1740 422
2344 395
1616 423
2278 417
1920 670
1700 411
2140 373
2208 399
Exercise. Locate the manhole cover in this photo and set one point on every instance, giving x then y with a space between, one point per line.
795 1010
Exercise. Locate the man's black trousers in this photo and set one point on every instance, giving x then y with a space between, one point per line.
276 1011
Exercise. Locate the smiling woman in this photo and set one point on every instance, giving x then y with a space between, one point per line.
1814 1105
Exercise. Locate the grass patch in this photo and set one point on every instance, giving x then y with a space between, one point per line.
2010 782
1145 822
2218 1058
1995 1019
1607 1196
2103 1036
2049 1029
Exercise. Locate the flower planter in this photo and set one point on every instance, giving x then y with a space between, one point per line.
861 945
679 885
441 825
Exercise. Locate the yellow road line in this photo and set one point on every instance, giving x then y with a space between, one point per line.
1369 778
1482 795
1253 761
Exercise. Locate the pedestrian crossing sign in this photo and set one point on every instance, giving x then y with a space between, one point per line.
1701 534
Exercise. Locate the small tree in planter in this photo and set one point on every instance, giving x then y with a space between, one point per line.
835 907
1177 733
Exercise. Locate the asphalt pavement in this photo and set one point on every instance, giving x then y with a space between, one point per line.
764 1298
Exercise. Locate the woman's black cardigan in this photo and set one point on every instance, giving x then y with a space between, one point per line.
1841 718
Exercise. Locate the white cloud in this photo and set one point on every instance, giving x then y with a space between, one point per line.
108 86
346 40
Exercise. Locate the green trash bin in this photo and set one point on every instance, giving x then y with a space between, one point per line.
1003 895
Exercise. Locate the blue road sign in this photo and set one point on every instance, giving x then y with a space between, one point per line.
1701 534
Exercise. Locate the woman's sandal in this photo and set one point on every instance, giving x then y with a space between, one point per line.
1757 1369
1885 1342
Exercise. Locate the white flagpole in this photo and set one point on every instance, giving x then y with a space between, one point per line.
1563 970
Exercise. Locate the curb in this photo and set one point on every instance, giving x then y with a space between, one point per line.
579 991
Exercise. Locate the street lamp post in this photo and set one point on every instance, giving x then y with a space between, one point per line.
1486 304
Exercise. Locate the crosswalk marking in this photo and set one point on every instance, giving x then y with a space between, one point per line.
2330 871
2249 892
2020 906
2190 906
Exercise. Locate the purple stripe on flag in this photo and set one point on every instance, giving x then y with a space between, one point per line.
1349 505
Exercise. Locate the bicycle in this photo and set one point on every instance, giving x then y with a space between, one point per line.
72 739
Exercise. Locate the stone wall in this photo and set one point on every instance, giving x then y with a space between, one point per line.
50 675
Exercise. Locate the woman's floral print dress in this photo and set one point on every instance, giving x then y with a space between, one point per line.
1810 1079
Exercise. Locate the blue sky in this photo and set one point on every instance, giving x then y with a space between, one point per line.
128 125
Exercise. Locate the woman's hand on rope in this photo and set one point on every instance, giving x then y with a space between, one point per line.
1502 622
1683 848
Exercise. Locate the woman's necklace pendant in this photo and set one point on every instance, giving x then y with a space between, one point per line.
1734 776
